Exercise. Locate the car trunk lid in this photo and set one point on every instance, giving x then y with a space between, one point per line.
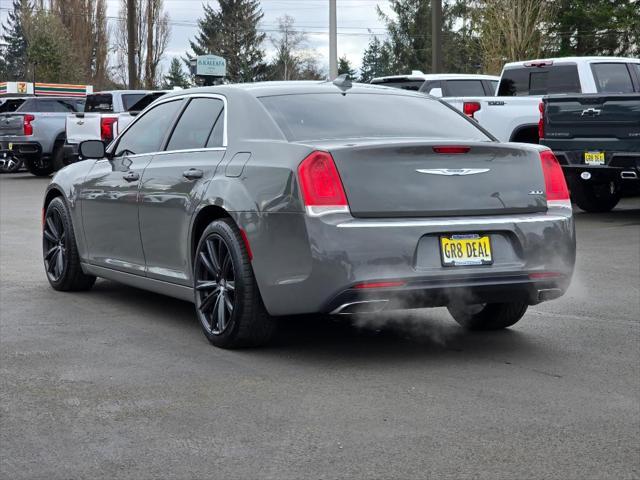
411 179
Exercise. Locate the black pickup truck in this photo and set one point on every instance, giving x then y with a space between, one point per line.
596 138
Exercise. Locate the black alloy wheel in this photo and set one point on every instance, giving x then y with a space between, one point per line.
215 285
228 302
54 245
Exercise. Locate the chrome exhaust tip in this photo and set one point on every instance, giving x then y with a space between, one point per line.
629 175
363 306
549 294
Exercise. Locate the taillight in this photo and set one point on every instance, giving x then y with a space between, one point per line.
541 121
366 285
554 182
322 190
27 128
451 149
469 108
106 128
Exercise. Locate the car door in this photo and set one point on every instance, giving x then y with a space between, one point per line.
109 196
174 183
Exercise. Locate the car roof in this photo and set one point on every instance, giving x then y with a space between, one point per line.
574 60
437 76
295 87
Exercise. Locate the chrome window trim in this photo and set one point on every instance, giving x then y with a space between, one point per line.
162 100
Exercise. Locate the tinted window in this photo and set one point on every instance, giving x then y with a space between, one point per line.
146 133
130 99
217 135
464 88
612 78
145 101
48 105
403 83
11 104
521 81
636 66
494 86
361 115
195 124
100 102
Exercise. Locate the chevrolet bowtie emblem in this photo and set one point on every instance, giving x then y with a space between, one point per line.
591 112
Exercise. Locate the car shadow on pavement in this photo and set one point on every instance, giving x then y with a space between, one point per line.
392 336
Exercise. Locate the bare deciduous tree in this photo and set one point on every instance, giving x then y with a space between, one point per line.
153 32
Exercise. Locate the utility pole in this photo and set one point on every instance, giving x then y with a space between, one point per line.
131 43
333 41
436 36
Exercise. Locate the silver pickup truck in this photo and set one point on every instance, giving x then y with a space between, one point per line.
35 132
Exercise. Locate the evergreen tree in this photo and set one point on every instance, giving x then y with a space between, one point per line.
376 61
232 32
13 63
344 66
175 77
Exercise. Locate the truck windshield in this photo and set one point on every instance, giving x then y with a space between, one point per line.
523 81
321 116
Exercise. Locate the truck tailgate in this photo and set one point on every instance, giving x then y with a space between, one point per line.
83 126
11 124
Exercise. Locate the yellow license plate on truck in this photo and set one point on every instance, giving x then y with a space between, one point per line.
594 158
467 249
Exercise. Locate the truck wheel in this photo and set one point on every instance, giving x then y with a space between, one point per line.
487 316
40 167
10 165
57 157
595 197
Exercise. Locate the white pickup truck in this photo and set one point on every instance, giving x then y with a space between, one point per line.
105 115
513 114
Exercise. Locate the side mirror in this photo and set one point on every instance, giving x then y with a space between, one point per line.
436 92
92 149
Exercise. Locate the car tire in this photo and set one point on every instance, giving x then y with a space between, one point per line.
40 167
488 316
595 198
60 252
10 165
228 303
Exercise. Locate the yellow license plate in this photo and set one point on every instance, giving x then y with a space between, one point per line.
11 146
594 158
468 249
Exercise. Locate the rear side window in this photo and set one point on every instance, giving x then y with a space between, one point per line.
11 105
130 99
100 102
367 115
145 135
494 86
612 78
464 88
196 124
523 81
402 83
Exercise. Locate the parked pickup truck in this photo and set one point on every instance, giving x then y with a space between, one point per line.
512 115
105 115
442 84
596 138
35 132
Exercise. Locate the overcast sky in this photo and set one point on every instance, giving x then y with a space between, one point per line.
355 19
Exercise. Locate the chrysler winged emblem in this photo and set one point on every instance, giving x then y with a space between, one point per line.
450 172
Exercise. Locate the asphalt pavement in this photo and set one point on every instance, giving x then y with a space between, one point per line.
121 383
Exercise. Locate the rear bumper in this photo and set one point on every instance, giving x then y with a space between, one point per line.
24 150
309 265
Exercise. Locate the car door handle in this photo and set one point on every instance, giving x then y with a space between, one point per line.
192 173
131 176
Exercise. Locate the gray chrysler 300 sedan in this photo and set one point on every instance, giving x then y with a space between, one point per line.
260 200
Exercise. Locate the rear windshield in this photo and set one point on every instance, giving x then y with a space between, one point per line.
367 115
100 102
130 99
51 105
11 105
402 83
522 81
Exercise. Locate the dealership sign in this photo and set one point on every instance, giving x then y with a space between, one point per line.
211 65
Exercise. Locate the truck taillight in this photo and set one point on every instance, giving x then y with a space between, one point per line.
554 182
321 186
541 121
106 128
469 108
27 128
